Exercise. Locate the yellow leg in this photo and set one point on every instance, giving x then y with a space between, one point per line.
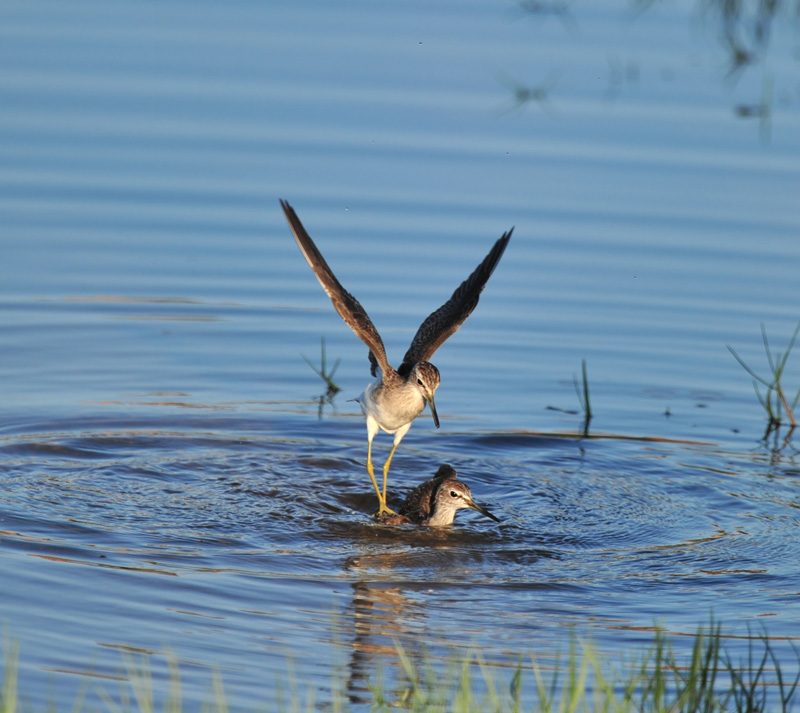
386 469
371 471
381 497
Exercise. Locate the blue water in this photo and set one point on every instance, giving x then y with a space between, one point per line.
171 484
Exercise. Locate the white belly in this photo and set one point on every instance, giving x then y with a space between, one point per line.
391 411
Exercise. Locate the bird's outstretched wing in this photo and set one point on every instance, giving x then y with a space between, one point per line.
446 320
346 305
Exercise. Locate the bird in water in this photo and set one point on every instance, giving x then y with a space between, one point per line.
434 503
399 395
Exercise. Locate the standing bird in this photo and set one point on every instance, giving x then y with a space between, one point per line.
399 396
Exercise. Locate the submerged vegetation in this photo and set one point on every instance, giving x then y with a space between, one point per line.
706 679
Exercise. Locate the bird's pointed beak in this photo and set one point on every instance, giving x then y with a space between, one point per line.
482 510
435 415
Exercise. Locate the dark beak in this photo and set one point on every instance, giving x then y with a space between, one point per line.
482 510
435 415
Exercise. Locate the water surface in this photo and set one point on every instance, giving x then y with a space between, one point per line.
171 483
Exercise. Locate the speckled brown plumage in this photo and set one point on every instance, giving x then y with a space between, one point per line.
418 504
434 503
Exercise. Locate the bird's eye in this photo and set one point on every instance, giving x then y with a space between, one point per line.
453 494
419 381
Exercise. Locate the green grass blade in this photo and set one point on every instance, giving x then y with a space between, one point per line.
747 368
8 697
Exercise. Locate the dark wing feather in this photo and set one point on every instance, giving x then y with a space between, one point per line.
346 305
373 364
446 320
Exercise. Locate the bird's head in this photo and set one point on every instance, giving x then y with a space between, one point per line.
453 495
425 376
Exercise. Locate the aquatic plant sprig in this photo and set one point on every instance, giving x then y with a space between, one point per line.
583 397
774 398
323 373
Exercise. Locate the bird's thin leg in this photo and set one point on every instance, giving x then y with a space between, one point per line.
371 471
386 469
381 496
398 436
